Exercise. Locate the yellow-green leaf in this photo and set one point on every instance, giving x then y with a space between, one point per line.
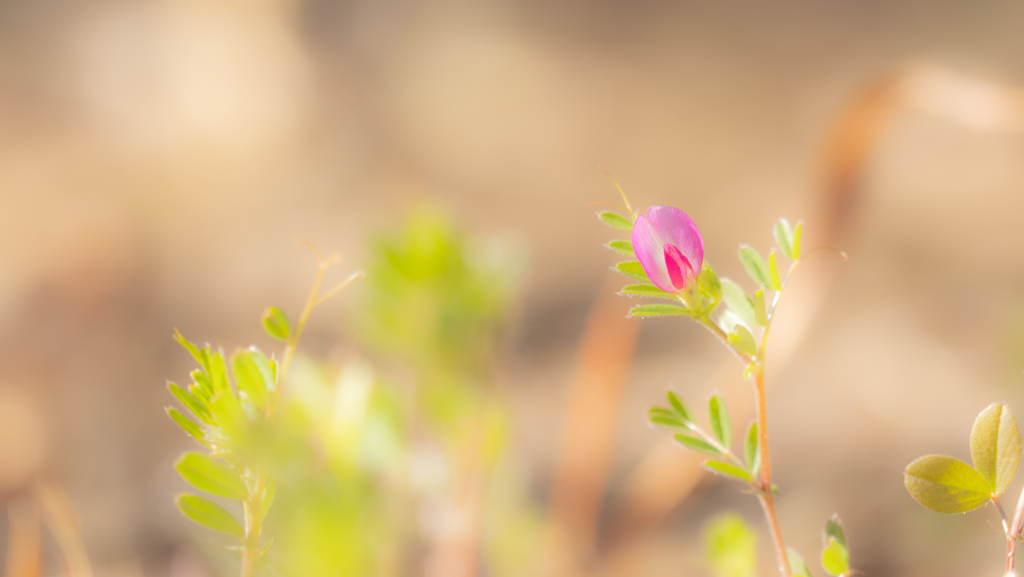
751 450
633 269
645 290
721 426
209 514
760 309
946 485
738 301
797 564
833 559
210 475
773 272
657 310
615 220
995 446
699 445
797 233
784 236
726 470
744 342
185 423
623 247
275 323
754 264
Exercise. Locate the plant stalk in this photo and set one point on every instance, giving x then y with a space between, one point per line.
766 498
1014 534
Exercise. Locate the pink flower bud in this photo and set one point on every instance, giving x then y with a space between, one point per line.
669 247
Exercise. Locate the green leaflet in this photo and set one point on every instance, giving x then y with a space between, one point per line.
721 426
833 558
209 514
699 445
623 247
679 407
185 423
210 475
657 310
797 564
253 376
754 264
760 309
726 470
946 485
751 450
275 323
743 340
995 446
783 234
797 233
191 403
646 290
738 301
615 220
773 272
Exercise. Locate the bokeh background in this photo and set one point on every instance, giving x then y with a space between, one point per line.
158 160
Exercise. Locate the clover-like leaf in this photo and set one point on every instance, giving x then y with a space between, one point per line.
209 514
615 220
995 446
726 470
721 426
210 475
946 485
834 560
657 310
699 445
754 264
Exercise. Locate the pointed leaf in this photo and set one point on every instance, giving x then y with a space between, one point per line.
209 514
743 341
738 301
726 470
833 559
657 310
201 356
751 450
679 407
275 323
219 373
615 220
783 234
645 290
946 485
212 476
623 247
760 310
797 564
191 403
662 421
995 446
754 264
720 424
633 269
185 423
797 233
699 445
204 382
773 272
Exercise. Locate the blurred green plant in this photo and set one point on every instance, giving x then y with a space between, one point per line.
730 546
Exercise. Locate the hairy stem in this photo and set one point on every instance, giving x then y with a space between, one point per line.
1014 534
766 498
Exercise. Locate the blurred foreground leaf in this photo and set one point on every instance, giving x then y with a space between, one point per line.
209 514
730 546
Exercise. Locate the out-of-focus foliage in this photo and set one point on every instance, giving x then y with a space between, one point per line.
730 546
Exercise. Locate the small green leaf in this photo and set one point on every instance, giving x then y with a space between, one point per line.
670 422
730 546
209 514
834 530
185 423
946 485
276 323
203 381
191 403
784 237
633 269
698 445
773 272
797 233
738 301
623 247
744 342
658 310
646 290
995 446
665 413
212 476
709 284
202 356
615 220
760 310
219 373
252 375
751 450
833 559
679 407
797 564
726 469
721 426
754 264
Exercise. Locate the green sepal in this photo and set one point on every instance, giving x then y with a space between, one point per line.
783 234
275 323
615 220
709 284
996 447
699 445
191 403
187 424
797 233
754 264
760 309
833 559
721 426
797 564
633 269
679 407
657 310
946 485
726 470
751 450
208 474
623 247
738 301
209 514
744 342
646 290
773 272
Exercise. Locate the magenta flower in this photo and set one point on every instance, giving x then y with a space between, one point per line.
669 247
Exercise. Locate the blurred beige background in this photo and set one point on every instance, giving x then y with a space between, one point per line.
159 158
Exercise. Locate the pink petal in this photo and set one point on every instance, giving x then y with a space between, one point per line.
674 227
661 226
679 269
651 254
